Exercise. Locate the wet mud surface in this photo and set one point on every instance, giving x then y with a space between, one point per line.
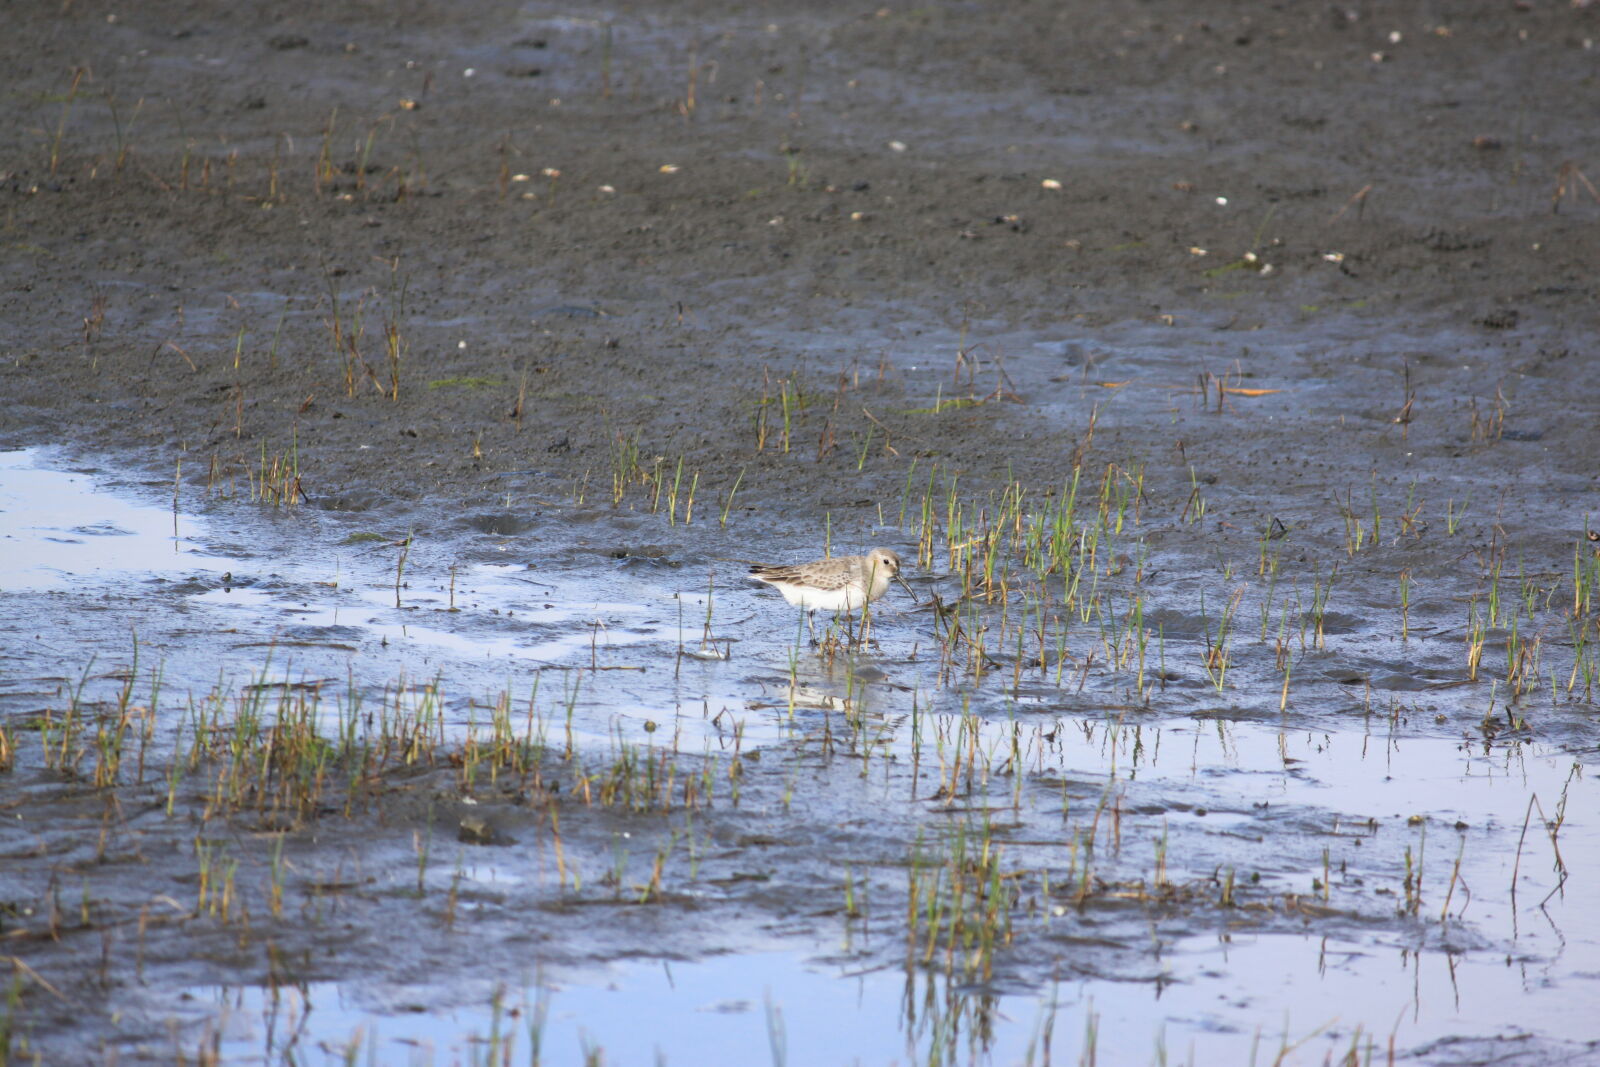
394 398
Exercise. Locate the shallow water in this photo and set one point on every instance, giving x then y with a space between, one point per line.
1221 999
56 530
1332 808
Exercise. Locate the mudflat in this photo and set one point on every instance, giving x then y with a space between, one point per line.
394 397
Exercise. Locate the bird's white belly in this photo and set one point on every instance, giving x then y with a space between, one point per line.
846 598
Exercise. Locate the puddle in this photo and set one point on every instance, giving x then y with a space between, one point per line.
139 571
56 528
593 627
1327 998
755 1008
1362 774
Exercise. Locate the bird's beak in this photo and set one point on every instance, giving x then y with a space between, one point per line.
907 588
